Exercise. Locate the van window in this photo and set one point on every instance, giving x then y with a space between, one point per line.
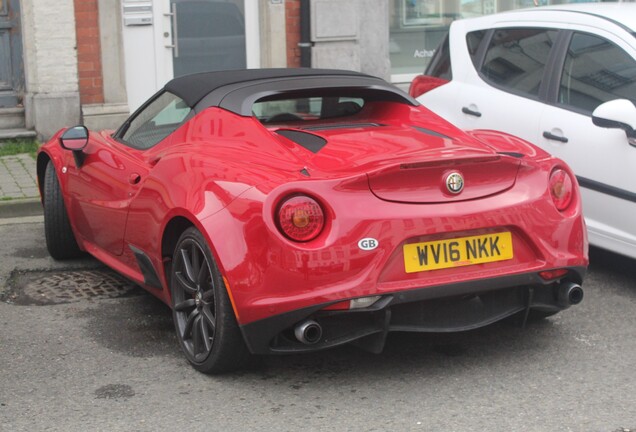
596 71
473 41
440 65
516 59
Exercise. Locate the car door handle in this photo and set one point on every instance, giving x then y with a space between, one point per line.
471 112
551 136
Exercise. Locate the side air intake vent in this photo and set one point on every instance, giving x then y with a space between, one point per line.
311 142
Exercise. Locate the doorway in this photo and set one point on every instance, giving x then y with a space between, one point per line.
11 65
208 35
164 39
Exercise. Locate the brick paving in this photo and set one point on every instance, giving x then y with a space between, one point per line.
17 177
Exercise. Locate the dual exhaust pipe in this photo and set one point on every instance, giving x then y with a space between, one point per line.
309 332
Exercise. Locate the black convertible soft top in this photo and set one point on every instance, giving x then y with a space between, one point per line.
236 90
192 88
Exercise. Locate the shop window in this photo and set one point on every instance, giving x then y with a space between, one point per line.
418 27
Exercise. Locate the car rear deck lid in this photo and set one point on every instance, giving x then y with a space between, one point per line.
440 181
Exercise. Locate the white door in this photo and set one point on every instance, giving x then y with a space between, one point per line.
210 35
596 70
164 39
11 64
504 93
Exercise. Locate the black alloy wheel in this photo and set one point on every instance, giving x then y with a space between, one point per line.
203 316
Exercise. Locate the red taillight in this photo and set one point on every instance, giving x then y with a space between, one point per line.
300 218
424 83
553 274
561 189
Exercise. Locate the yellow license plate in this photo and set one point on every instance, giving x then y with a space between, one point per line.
462 251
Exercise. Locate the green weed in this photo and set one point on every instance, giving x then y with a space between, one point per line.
18 146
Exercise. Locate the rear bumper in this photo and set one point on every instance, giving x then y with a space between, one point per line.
445 308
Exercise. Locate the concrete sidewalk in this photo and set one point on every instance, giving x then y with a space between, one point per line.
19 195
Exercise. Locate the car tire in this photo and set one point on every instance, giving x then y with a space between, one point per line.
203 316
60 240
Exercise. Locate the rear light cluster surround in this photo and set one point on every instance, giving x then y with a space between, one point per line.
561 188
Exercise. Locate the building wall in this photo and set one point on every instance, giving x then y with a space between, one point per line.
50 57
76 67
273 43
101 63
292 30
89 58
345 35
374 38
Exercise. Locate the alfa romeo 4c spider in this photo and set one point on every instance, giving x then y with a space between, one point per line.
293 210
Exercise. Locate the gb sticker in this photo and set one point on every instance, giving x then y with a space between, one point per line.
368 244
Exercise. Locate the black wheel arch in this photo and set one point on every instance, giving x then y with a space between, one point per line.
42 161
169 239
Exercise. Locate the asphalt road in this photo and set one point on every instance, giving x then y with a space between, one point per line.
114 364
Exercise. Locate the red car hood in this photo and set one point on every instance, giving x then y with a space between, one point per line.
418 163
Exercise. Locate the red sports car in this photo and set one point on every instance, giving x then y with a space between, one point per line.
292 210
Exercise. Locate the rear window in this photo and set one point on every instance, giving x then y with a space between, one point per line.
440 65
292 109
516 58
473 41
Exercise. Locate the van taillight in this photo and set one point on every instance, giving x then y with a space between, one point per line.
424 83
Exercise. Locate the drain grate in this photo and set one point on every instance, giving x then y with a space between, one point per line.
46 288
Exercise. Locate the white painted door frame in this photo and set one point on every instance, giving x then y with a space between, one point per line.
148 48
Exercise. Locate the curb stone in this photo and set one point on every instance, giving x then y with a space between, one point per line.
20 208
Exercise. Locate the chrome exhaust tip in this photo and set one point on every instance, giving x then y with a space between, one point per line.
308 332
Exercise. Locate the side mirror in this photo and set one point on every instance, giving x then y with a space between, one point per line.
617 114
74 138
